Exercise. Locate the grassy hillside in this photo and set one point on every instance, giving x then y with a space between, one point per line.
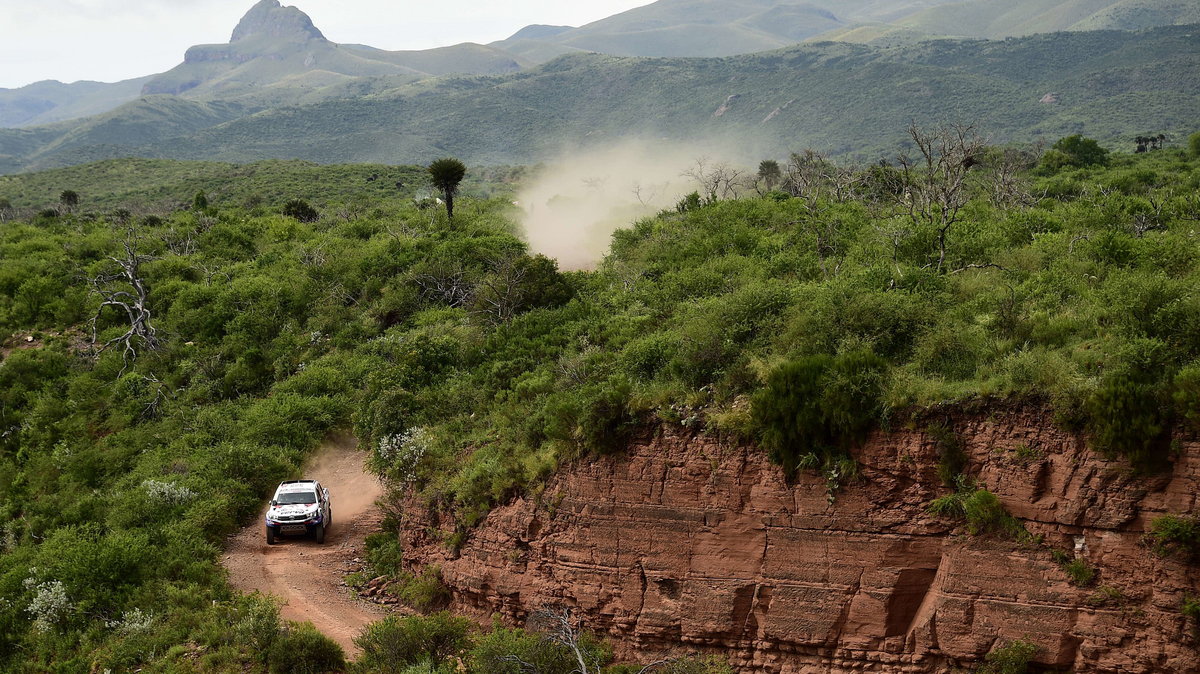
1073 285
841 98
155 185
711 28
701 28
996 20
48 102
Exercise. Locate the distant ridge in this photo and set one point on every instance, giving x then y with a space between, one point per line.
845 99
277 57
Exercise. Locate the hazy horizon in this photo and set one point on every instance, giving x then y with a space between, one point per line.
111 40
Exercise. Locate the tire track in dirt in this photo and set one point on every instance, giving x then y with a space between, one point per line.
308 576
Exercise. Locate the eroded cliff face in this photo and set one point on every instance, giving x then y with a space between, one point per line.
687 544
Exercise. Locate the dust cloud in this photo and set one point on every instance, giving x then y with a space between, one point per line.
338 465
573 205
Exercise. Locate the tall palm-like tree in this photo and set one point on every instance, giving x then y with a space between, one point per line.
446 174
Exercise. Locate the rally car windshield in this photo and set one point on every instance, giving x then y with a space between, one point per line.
292 498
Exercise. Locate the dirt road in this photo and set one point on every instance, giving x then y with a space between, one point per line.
308 576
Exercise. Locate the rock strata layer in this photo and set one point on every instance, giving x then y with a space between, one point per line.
684 543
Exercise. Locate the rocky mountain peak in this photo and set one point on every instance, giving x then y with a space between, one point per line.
269 18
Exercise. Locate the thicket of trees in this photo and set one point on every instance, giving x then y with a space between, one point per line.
798 318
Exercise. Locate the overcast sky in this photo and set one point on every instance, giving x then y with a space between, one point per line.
110 40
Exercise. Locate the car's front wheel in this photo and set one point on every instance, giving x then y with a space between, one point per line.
319 533
270 536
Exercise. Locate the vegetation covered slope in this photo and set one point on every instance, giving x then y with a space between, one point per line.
1106 84
158 185
981 18
708 28
473 369
50 101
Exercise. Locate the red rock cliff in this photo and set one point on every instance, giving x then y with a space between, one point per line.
685 543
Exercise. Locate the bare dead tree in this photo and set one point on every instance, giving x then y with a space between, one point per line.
811 176
561 627
125 290
647 195
1151 220
1005 178
499 294
448 285
211 272
935 180
1188 207
162 393
717 181
896 236
828 246
180 241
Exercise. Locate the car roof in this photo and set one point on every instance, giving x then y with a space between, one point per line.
297 486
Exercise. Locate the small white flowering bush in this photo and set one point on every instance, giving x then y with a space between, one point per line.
169 492
132 621
400 455
50 603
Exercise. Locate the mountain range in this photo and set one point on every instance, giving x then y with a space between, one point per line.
846 75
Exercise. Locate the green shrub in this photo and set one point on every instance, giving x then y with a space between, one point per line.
952 457
1011 658
950 351
392 645
1190 608
1175 535
384 554
426 591
301 210
595 417
1081 151
985 514
1080 572
493 652
951 506
258 625
1186 392
301 649
982 512
1128 417
818 405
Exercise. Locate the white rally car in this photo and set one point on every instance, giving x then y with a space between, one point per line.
299 507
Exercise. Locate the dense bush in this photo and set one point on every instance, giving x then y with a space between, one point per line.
981 511
1130 417
1175 535
818 406
1075 151
1011 658
301 210
392 645
301 649
494 653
